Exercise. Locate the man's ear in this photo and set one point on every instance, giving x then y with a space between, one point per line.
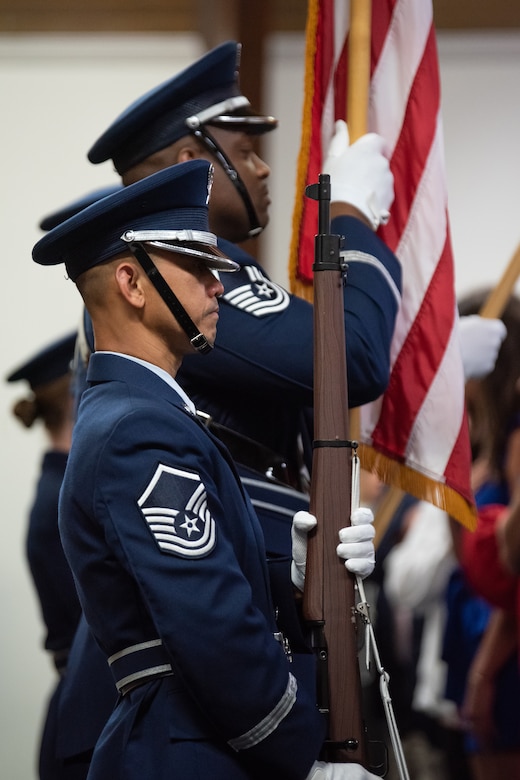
189 149
186 153
129 277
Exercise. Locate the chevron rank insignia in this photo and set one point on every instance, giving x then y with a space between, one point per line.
175 508
257 295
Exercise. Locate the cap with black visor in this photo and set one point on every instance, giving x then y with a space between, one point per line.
167 210
204 95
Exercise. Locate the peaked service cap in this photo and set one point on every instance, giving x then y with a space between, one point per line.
49 363
207 92
168 209
65 212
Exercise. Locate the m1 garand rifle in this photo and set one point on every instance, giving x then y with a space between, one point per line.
329 599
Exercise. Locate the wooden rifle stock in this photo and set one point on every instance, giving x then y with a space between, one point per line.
329 597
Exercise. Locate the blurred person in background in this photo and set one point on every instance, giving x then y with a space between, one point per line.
416 559
50 402
480 647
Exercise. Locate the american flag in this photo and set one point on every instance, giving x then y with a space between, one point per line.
415 436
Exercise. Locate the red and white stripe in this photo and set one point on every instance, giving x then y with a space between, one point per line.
420 422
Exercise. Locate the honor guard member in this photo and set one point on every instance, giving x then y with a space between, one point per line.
257 385
48 374
166 549
258 380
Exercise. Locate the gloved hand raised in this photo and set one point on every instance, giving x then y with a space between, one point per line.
356 545
324 771
480 341
360 174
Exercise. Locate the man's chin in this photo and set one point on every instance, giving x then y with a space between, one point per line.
264 220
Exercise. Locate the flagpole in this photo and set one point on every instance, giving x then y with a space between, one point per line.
499 296
358 87
359 67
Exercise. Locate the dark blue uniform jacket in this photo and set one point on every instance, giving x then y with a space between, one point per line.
165 545
49 569
56 591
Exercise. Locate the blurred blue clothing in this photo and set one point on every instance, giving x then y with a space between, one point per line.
57 596
49 568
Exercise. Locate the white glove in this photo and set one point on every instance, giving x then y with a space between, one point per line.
324 771
302 523
356 546
360 174
480 341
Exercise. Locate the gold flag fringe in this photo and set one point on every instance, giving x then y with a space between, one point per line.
298 287
400 476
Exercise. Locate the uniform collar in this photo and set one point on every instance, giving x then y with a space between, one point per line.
105 365
164 375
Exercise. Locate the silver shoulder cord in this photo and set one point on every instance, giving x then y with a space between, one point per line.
363 609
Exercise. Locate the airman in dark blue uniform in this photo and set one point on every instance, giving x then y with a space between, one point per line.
256 385
166 549
48 374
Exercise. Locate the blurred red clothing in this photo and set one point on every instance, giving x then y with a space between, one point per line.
482 564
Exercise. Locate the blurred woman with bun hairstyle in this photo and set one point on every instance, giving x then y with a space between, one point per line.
50 402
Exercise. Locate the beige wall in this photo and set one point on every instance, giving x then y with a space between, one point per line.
57 95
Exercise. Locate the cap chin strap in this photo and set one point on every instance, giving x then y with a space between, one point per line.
197 339
209 142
